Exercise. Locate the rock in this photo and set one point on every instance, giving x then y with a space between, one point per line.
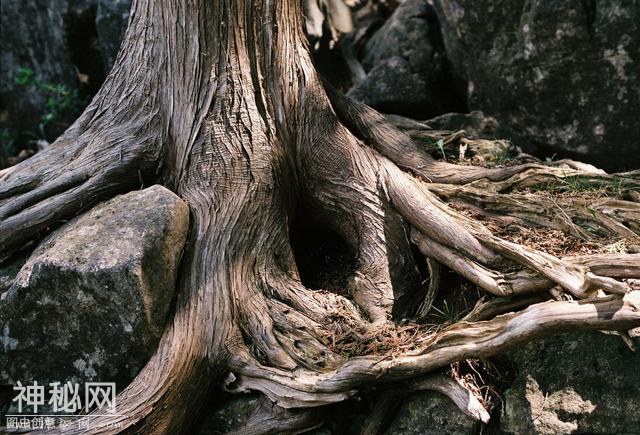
429 412
481 126
392 87
91 301
111 22
254 413
56 52
574 383
405 64
405 34
232 415
34 47
563 73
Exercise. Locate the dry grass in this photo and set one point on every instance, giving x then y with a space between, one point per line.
483 378
457 297
554 242
388 340
551 241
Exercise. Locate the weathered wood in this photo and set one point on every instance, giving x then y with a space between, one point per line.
220 102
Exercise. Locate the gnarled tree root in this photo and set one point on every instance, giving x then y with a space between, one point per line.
259 139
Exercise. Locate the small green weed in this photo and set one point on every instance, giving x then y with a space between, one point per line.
615 185
446 312
61 103
440 146
25 76
503 156
7 141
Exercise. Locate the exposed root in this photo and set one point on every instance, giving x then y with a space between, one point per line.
612 265
430 216
576 279
488 308
460 341
580 216
385 407
467 238
268 417
257 144
70 176
466 400
434 269
392 143
401 149
494 282
388 402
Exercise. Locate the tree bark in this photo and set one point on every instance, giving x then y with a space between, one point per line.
220 102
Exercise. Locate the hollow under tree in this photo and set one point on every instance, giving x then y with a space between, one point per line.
220 102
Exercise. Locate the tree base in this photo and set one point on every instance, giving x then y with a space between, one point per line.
247 137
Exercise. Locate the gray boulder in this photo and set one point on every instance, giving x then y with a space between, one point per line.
430 413
391 86
574 383
406 33
111 22
564 73
34 40
54 56
231 416
405 64
479 125
91 301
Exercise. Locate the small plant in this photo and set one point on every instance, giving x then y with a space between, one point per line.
447 313
579 184
6 142
25 76
615 185
61 103
502 156
440 146
622 184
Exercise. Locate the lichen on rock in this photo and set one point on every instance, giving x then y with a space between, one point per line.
90 302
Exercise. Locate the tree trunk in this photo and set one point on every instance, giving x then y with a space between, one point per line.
220 102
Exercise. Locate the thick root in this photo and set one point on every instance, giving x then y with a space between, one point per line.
70 176
244 319
579 216
269 418
348 191
466 401
389 141
460 341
